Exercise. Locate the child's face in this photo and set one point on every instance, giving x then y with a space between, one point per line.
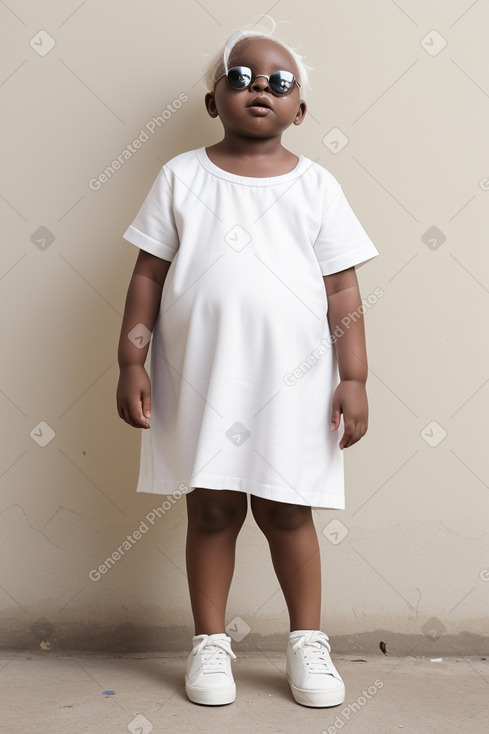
240 111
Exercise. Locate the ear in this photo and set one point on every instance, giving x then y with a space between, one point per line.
301 113
210 105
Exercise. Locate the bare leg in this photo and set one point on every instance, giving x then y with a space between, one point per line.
294 548
215 517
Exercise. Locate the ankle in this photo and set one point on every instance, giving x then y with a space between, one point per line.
209 631
308 624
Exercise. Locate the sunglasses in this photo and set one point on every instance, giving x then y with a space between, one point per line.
241 77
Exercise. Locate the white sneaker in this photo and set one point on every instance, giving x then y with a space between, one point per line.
209 679
313 678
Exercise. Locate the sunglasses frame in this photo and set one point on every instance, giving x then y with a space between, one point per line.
254 77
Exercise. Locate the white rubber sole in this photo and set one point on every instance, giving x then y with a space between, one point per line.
319 699
211 696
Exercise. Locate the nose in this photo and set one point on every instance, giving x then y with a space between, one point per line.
259 83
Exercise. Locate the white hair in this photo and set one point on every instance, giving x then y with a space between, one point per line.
219 64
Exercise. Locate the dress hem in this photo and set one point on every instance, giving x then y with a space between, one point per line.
288 495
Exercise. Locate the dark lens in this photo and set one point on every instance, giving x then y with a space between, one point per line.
239 77
282 81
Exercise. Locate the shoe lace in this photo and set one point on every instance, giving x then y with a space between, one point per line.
315 652
214 655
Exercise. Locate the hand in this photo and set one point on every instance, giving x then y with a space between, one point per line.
134 396
350 398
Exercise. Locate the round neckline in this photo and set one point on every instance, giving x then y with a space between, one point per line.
215 170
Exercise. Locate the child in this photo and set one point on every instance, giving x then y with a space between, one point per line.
245 272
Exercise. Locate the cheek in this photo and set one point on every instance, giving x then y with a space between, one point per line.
286 111
229 106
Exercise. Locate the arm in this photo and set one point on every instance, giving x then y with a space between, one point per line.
142 306
350 397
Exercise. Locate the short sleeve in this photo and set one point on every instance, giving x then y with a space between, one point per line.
154 228
342 242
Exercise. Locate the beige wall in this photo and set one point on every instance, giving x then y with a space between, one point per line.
407 561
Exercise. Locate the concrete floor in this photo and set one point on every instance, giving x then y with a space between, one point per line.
61 692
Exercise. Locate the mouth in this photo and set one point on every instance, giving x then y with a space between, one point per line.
260 102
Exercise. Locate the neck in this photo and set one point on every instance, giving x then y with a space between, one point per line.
239 146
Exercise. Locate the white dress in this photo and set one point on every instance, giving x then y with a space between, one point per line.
243 365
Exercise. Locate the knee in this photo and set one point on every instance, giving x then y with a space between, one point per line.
280 515
212 515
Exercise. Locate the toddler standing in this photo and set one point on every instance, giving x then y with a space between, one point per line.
246 269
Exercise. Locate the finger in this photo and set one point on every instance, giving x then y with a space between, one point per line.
348 434
353 434
146 405
128 417
139 417
335 417
134 415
